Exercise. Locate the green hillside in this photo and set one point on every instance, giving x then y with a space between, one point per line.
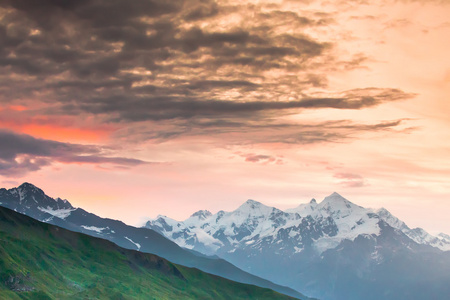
42 261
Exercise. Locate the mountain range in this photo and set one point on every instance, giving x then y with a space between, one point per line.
33 202
44 261
331 250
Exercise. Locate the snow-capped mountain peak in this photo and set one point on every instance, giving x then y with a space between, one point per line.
418 235
27 189
249 209
336 201
201 214
304 209
339 207
444 236
319 226
28 197
252 204
197 218
393 221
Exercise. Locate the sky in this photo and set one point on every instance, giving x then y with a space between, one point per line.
131 109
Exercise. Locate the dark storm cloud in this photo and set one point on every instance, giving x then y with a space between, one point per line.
21 153
185 107
153 60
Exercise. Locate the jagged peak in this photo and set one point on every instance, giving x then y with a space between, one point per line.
313 201
28 186
383 210
252 202
161 217
63 200
335 198
444 236
36 197
336 195
202 214
252 205
384 213
337 205
419 230
390 219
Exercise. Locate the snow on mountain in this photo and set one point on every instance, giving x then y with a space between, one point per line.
418 235
138 246
199 216
333 249
224 229
32 201
93 228
444 236
253 225
28 198
60 213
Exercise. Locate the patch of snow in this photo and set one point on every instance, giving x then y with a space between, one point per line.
93 228
60 213
47 220
182 243
206 239
21 195
137 245
297 249
325 243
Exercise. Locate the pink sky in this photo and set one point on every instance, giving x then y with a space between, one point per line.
203 105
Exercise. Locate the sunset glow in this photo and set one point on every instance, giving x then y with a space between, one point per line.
205 104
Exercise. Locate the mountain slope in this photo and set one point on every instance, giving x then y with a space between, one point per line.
331 250
43 261
32 201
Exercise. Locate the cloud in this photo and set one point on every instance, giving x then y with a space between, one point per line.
225 132
171 107
261 158
350 179
181 64
21 154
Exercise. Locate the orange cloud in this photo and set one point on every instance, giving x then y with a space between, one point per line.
17 107
60 132
61 128
66 134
